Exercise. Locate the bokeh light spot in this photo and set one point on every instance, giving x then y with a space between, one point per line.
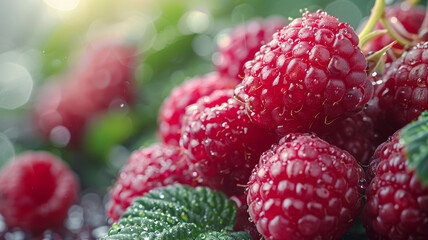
60 136
196 21
63 5
16 85
345 11
202 45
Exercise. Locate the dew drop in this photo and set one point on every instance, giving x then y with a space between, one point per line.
362 184
17 85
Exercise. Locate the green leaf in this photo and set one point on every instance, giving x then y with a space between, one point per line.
414 137
178 212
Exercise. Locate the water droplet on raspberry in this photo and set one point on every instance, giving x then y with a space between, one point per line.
362 184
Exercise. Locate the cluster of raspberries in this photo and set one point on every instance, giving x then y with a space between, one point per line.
294 128
287 126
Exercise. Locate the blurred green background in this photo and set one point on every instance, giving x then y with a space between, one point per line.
177 40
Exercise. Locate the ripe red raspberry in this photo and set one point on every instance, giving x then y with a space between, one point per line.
102 80
60 114
397 203
148 168
243 42
404 16
221 142
36 191
105 74
310 73
403 94
305 188
174 107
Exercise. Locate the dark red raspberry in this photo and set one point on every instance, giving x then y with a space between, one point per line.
356 133
103 80
174 107
403 94
243 222
243 42
148 168
221 142
404 16
36 191
311 73
397 203
305 188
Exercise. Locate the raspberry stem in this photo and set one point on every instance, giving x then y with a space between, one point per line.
387 25
377 12
369 37
413 2
375 59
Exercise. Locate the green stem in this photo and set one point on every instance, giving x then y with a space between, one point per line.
375 60
369 37
413 2
376 14
396 37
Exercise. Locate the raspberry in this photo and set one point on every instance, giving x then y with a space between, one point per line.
243 42
54 117
409 18
311 73
243 222
102 80
221 142
174 107
397 203
148 168
36 191
403 94
305 188
356 133
105 74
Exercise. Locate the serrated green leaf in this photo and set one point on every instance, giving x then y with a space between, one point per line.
179 212
414 137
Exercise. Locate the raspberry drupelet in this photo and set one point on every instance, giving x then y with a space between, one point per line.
311 73
305 188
